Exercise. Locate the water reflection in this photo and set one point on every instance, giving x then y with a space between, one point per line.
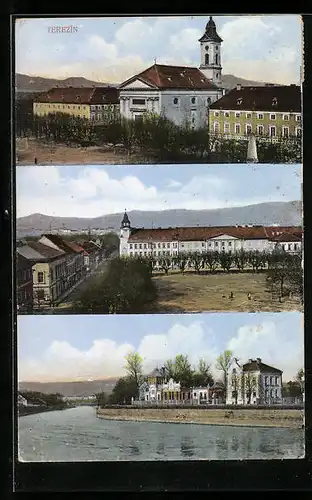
160 449
187 446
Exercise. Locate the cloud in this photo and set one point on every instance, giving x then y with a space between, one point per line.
106 357
255 47
93 192
172 184
267 58
264 341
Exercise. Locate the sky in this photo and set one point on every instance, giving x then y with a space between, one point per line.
262 48
82 347
92 191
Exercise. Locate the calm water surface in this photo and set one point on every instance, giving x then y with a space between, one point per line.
77 435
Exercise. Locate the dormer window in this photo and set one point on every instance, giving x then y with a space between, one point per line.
169 78
274 101
239 101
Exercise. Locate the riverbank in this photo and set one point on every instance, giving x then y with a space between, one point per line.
23 411
293 419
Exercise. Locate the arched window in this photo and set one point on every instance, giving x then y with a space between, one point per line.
207 47
216 58
206 59
208 100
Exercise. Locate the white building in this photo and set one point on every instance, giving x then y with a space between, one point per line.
181 94
173 241
254 383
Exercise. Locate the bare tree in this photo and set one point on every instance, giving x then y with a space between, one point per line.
133 366
224 361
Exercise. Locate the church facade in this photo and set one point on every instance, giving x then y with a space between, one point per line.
181 94
164 242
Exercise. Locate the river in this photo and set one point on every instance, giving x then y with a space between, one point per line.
77 434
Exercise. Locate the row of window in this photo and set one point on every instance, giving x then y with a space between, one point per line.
260 116
65 106
175 101
215 60
261 129
271 380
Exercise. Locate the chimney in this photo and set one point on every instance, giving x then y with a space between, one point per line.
259 361
238 86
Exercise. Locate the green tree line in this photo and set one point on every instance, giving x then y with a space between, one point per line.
181 370
154 136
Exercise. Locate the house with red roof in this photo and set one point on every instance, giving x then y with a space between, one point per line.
182 94
161 242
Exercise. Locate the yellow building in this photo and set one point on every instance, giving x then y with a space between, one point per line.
269 111
48 272
99 104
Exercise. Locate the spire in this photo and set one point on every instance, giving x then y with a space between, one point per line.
125 221
211 32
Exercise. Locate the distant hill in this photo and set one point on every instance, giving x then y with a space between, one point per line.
281 213
80 388
230 81
26 83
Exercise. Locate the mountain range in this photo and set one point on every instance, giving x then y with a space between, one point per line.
270 213
68 389
27 83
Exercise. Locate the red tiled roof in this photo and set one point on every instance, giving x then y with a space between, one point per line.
64 245
161 76
204 233
288 99
80 95
73 246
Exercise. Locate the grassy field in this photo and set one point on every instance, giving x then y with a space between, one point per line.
56 154
210 292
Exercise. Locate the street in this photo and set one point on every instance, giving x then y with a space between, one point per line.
86 283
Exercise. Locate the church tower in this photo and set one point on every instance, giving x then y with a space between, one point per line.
125 232
210 53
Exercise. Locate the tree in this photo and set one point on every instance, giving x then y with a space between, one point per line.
300 380
249 384
235 385
240 259
211 260
181 261
224 361
202 375
196 260
180 370
279 269
124 390
256 259
133 367
169 368
226 260
165 263
101 399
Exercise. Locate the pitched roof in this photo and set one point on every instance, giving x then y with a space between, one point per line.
59 242
80 95
286 237
205 233
255 365
163 77
288 99
23 262
35 251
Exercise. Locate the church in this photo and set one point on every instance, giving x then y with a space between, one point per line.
181 94
169 242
